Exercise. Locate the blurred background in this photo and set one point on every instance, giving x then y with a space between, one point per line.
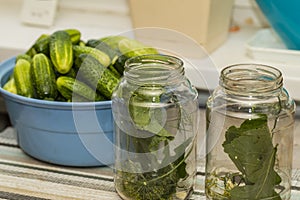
23 20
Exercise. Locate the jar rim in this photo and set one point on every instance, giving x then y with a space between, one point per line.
162 58
251 78
154 69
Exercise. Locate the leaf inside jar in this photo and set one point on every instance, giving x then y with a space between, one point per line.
251 149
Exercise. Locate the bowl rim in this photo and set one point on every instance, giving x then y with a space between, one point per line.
6 66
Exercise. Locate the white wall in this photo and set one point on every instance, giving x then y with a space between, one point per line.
95 18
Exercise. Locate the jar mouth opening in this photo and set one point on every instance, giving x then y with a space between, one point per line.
154 69
255 78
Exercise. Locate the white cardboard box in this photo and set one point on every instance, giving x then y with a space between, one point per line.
204 21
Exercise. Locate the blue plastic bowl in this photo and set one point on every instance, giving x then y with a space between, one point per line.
72 134
284 17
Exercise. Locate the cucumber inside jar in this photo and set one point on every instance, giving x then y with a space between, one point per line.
157 143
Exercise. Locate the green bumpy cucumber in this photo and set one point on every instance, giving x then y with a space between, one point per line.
112 53
113 40
129 48
132 48
74 34
61 51
75 90
102 57
24 56
96 75
43 77
41 45
22 78
10 86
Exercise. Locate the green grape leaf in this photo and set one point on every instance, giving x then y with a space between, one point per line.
251 149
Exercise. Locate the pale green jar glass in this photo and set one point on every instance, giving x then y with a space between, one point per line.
155 109
250 122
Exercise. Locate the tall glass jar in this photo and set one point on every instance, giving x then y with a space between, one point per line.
250 120
155 110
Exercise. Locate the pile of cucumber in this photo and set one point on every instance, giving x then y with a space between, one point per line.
63 67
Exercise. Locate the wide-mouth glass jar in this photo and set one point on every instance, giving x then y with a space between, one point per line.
250 122
155 109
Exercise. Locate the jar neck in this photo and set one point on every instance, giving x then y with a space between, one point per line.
251 79
154 70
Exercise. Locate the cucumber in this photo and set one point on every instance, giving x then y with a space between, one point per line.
61 98
102 57
24 56
81 43
72 73
114 71
42 44
75 90
43 77
96 75
131 48
113 41
74 34
119 64
61 51
31 52
39 46
23 79
10 86
112 53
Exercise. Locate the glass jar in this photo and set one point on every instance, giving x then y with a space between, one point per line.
155 109
250 121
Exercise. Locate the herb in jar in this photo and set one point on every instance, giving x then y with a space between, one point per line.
161 183
251 150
